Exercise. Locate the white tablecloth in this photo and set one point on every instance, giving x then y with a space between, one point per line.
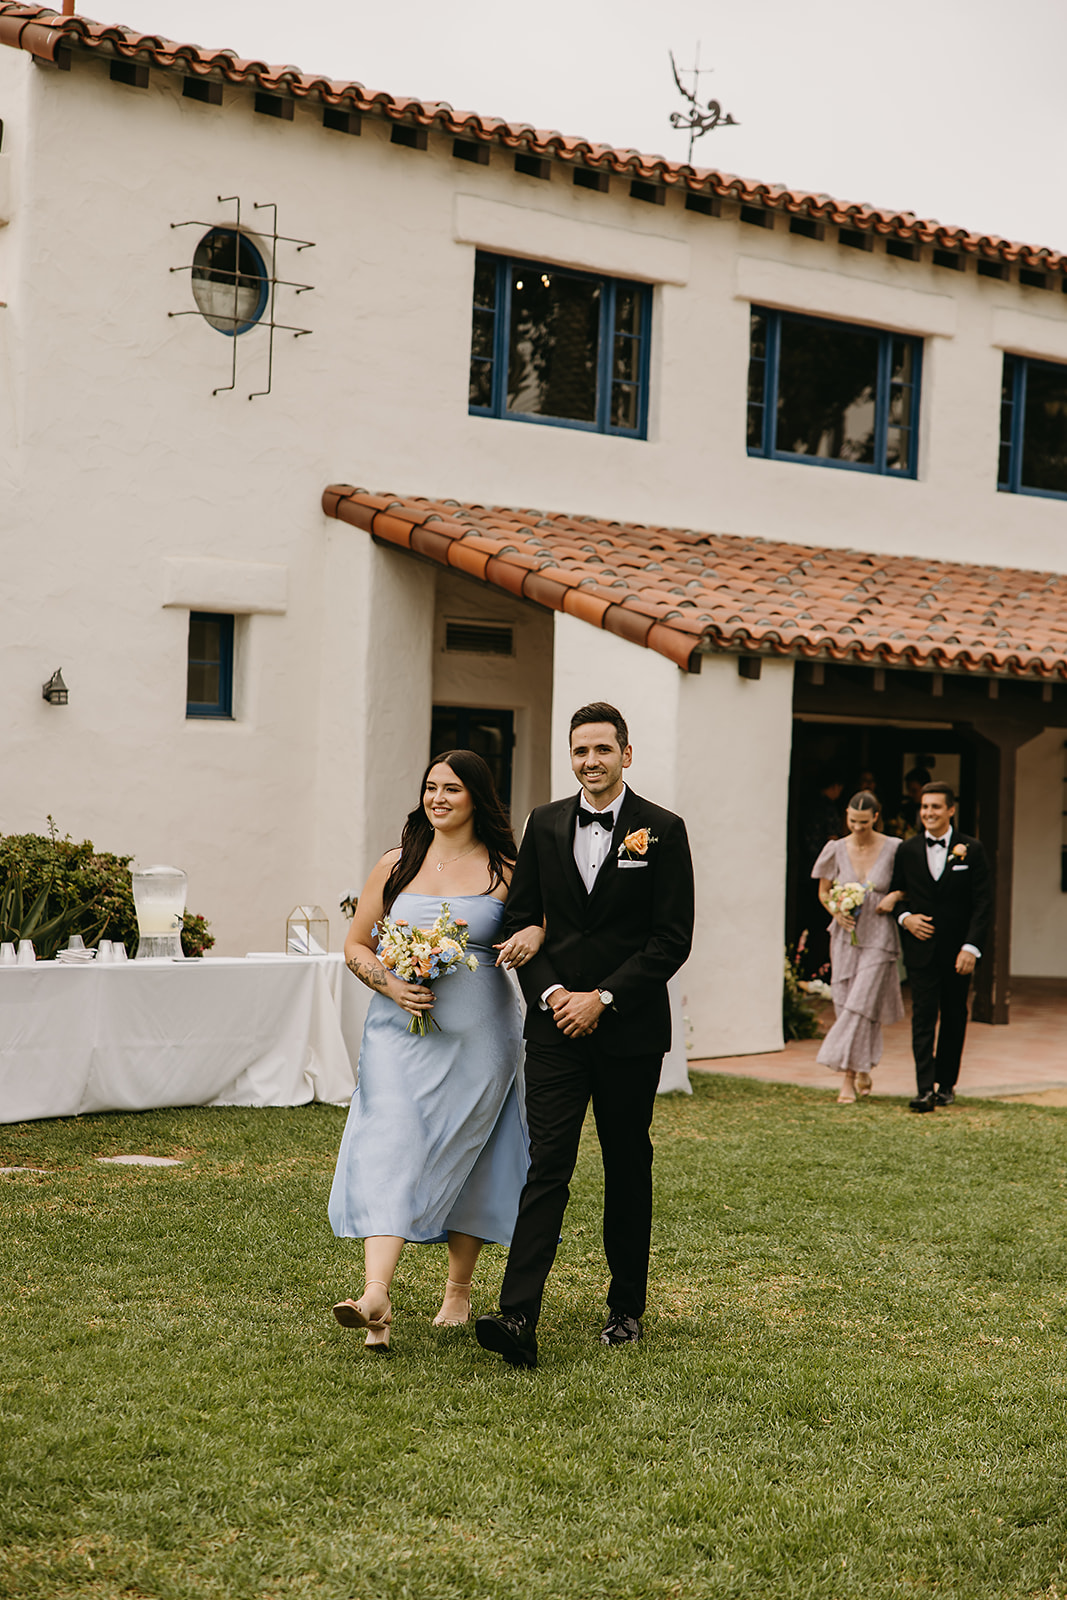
224 1031
131 1037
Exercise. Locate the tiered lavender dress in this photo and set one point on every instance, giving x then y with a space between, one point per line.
863 976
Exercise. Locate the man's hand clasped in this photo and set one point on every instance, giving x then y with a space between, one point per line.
576 1015
922 928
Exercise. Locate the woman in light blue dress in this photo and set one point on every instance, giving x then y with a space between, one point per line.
435 1146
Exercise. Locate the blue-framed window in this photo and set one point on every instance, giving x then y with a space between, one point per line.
230 281
833 394
209 681
562 347
1033 428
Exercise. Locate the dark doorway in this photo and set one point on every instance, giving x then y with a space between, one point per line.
490 734
861 756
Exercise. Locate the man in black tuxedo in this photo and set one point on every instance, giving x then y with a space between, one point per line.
611 877
944 879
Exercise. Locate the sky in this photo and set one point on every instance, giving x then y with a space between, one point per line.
947 108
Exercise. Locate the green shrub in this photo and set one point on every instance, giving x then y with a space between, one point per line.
51 888
195 936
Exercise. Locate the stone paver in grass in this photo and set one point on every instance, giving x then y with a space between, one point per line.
141 1161
5 1170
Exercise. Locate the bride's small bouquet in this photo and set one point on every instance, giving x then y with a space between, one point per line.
847 898
419 955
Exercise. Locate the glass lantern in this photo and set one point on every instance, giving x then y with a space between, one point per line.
307 932
159 900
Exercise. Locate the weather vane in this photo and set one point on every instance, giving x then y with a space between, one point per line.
698 121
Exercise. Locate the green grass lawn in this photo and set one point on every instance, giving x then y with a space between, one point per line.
852 1383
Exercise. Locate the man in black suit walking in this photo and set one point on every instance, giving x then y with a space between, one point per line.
944 879
611 877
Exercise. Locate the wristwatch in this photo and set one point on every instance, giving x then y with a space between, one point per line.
606 997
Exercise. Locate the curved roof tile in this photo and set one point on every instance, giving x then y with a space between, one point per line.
737 605
46 33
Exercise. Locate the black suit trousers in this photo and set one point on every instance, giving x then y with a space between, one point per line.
938 994
560 1081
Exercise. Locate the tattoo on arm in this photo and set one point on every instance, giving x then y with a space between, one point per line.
372 973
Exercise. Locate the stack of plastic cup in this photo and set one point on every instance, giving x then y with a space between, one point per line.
27 954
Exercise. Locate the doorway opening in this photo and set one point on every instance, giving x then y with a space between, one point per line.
490 734
878 757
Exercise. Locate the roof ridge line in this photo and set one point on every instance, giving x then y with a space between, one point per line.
45 32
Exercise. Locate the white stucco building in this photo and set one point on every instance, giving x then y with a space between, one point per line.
172 528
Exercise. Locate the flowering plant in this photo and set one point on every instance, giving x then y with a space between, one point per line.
847 898
798 1016
636 843
959 852
418 955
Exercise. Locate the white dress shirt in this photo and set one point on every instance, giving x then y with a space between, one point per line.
593 842
591 846
937 853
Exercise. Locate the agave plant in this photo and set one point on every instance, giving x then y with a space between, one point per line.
48 928
73 888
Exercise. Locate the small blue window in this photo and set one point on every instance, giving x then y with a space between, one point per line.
230 281
560 347
1033 428
209 684
833 394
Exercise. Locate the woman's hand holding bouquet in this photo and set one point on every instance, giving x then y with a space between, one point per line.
843 902
419 955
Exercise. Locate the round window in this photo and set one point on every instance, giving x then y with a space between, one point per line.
229 281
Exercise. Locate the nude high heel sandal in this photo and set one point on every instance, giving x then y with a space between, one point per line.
847 1096
441 1321
350 1315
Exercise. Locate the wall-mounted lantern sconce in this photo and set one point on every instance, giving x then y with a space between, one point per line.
55 690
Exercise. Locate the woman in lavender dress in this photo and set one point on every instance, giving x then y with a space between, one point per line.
863 975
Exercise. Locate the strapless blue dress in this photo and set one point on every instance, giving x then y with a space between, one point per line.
436 1135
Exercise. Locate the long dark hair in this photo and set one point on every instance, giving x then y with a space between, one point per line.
492 826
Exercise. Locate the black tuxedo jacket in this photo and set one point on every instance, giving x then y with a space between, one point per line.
960 901
629 935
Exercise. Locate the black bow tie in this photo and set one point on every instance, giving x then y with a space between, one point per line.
942 841
606 819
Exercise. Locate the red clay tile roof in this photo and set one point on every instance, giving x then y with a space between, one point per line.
47 34
684 594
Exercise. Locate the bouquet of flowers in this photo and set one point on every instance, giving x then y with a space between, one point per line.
847 898
418 955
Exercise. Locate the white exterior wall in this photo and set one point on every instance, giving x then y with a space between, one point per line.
591 665
1039 907
116 462
715 748
733 790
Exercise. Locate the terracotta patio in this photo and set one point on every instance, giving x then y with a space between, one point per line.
1027 1060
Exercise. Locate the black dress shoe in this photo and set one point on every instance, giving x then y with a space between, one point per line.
945 1097
924 1102
512 1337
621 1329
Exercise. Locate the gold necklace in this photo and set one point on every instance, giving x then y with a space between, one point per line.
441 865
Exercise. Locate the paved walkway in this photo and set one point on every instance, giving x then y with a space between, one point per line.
1027 1060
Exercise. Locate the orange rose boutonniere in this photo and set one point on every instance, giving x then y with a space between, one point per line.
958 852
636 844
